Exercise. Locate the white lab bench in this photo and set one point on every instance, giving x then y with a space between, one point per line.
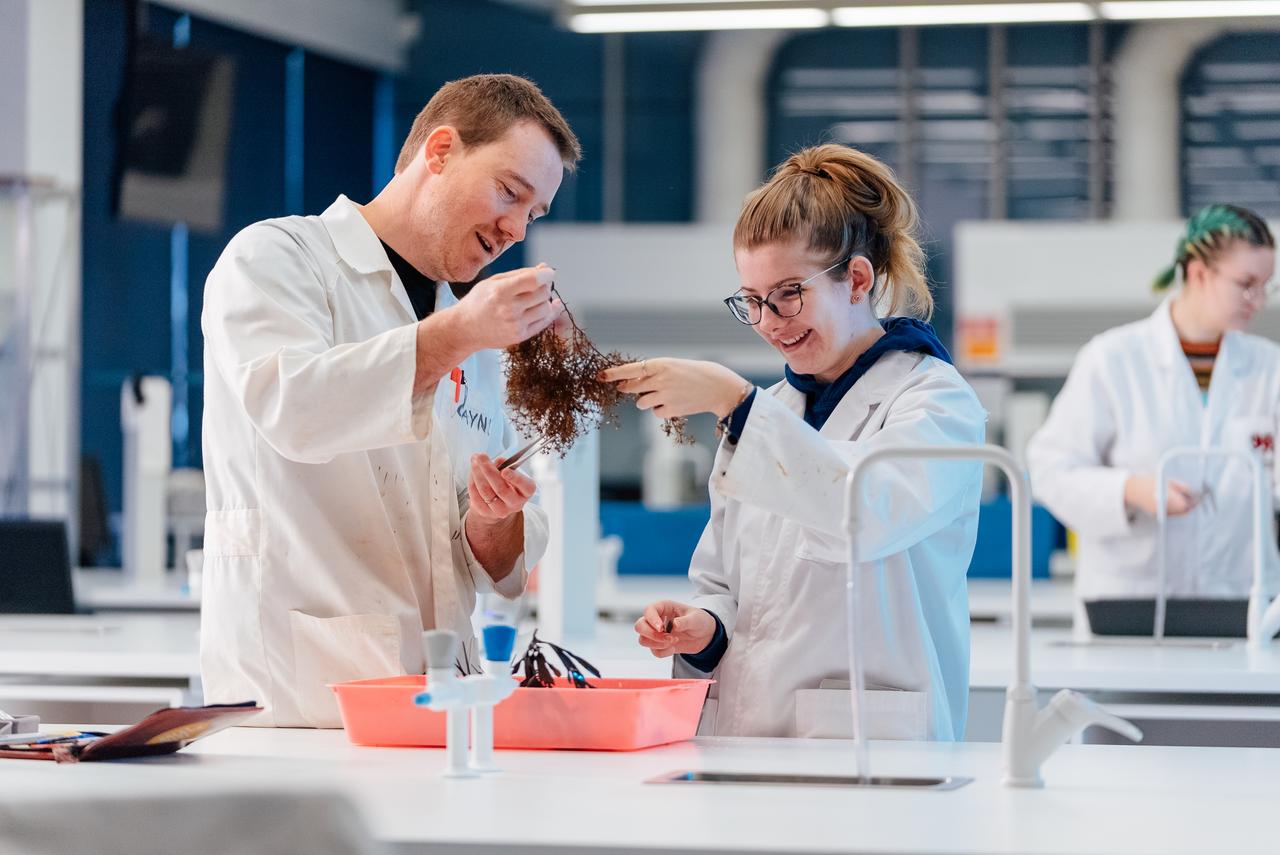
1099 798
135 659
101 589
154 658
1052 601
1184 690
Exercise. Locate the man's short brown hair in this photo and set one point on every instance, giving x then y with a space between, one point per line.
482 108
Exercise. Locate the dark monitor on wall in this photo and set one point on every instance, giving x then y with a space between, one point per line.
35 568
175 122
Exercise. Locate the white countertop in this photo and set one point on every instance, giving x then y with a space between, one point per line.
113 645
108 589
1138 800
1128 665
1052 601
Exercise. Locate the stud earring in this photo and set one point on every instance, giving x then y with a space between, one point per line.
857 298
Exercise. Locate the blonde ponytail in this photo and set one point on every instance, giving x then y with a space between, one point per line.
845 203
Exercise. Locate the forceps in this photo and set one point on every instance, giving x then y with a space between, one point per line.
1205 497
524 454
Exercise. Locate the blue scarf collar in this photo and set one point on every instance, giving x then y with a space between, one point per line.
906 334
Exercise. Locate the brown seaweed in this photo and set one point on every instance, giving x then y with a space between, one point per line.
555 389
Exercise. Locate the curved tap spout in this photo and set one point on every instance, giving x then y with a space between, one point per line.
1058 723
1264 616
989 454
1030 736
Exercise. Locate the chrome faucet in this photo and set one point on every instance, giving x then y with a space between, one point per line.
1030 735
1264 616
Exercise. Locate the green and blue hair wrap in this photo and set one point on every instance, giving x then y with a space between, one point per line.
1210 228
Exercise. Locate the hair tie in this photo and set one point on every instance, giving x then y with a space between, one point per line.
815 170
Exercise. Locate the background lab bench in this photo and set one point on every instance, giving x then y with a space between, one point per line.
114 666
1178 692
990 600
1181 695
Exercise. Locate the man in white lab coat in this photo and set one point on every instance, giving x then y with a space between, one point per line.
354 408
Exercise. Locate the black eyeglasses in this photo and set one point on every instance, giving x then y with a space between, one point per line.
785 301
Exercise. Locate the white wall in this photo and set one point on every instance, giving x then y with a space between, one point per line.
652 290
731 119
1146 114
1048 287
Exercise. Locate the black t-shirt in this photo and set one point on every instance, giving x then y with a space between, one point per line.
421 289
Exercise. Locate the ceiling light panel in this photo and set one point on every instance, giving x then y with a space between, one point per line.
1135 10
613 16
911 15
699 19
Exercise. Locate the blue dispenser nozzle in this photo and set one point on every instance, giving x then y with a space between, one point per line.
499 642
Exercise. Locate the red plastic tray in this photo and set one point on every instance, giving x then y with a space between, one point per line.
616 715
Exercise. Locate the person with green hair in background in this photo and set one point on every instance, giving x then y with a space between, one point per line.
1188 375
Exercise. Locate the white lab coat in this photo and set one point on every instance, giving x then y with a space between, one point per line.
336 498
771 562
1131 396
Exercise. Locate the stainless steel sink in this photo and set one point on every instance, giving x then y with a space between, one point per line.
1144 641
690 776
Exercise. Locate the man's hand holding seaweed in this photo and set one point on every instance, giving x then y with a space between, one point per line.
510 308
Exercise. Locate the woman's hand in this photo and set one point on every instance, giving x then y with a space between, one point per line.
1140 494
680 387
669 627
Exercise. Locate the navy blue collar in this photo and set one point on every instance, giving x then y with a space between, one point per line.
906 334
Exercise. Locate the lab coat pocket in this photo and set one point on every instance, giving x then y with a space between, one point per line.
889 714
821 547
335 650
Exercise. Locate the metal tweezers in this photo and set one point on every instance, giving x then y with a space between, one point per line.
524 454
1206 497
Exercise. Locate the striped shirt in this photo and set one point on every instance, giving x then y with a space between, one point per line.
1201 355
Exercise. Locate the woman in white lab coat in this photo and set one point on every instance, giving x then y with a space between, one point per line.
828 239
1186 376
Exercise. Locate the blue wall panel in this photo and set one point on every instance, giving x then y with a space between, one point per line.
461 37
125 311
337 132
255 177
660 85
